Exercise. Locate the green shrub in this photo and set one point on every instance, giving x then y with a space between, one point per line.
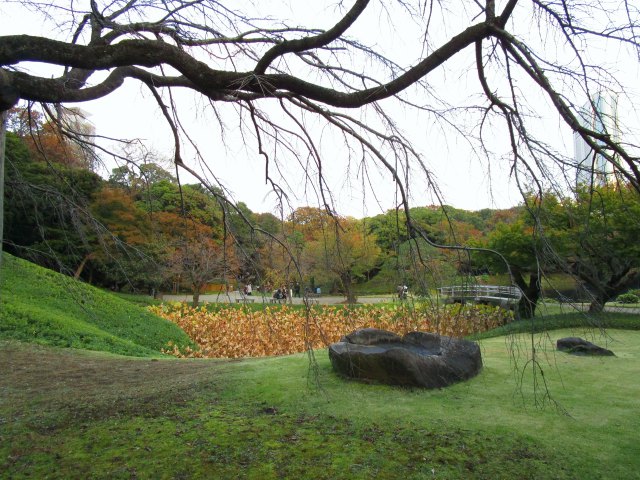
628 298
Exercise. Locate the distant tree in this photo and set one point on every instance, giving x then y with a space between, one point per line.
138 177
346 252
48 138
124 219
389 230
17 152
268 222
126 256
311 222
47 214
595 235
122 176
152 173
590 235
199 260
521 249
162 196
23 121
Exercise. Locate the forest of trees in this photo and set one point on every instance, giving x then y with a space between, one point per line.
141 230
349 83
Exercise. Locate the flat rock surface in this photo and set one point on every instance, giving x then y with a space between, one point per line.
418 359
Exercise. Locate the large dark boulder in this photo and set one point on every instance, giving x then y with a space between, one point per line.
418 359
579 346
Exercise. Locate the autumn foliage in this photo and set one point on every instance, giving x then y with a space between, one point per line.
231 332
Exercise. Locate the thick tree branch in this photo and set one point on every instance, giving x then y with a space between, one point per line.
197 75
314 42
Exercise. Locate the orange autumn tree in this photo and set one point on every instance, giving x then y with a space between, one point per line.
63 136
131 250
199 259
344 253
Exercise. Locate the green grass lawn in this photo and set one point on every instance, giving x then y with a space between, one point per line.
42 306
579 321
81 413
277 418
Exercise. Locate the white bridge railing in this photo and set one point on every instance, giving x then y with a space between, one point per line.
505 296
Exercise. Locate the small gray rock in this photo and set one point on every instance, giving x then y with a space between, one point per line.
579 346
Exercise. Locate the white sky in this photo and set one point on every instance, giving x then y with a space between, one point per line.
465 182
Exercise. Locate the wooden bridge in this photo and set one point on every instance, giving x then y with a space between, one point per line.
501 296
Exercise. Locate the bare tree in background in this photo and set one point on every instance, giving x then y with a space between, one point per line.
198 262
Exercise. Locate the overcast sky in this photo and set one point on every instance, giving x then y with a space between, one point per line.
465 182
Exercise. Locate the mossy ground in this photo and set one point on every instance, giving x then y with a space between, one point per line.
78 414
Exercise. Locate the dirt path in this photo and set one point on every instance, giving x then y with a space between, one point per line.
235 295
37 377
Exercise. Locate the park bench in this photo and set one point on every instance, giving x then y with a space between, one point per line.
245 300
277 300
311 298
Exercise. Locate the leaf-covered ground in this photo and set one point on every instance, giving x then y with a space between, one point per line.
231 332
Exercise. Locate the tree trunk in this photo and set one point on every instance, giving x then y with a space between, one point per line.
531 294
345 278
617 284
3 135
597 305
606 294
80 268
196 296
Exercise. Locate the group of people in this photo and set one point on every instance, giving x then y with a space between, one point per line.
281 293
287 292
403 292
284 292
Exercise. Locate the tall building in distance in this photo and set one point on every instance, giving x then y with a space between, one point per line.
593 168
82 135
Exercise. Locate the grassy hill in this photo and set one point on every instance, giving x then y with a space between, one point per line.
45 307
